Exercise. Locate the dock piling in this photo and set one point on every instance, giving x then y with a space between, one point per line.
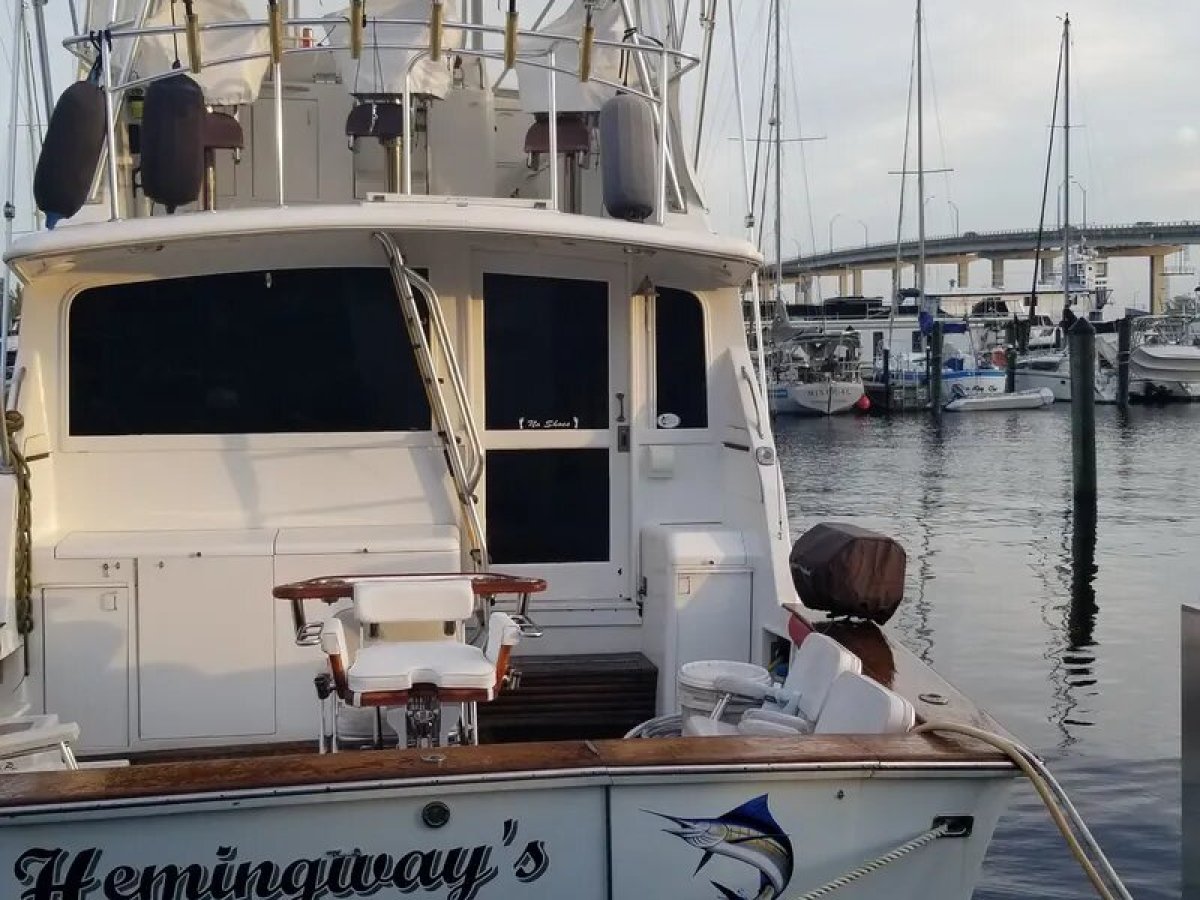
1124 345
935 369
1010 369
1190 657
1082 341
887 380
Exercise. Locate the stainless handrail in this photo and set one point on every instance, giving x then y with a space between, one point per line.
684 62
450 357
433 390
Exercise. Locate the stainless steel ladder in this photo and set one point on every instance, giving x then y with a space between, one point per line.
453 419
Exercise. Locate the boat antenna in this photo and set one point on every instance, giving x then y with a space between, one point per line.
1037 252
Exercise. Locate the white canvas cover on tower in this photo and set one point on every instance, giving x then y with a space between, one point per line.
381 69
230 84
571 95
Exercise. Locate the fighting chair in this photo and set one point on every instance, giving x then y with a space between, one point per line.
368 669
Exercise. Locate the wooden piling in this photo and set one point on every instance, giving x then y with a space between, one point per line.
1124 345
887 380
1190 657
935 369
1010 369
1082 341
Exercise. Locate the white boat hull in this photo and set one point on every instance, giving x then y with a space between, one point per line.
818 398
1058 382
1165 371
590 831
1032 399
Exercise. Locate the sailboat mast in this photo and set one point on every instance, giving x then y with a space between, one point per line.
1066 223
778 117
920 274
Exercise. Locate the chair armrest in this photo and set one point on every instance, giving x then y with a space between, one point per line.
776 718
765 728
35 740
742 687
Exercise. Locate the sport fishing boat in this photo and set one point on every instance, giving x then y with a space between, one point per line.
359 500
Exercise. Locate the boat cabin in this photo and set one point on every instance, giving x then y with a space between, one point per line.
481 361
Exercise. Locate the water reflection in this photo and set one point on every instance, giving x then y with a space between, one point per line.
1081 622
929 503
1062 623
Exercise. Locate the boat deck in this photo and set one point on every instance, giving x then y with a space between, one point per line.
371 769
271 769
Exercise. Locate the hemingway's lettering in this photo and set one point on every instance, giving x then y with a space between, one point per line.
56 874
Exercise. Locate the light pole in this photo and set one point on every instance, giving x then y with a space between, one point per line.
954 207
1062 189
836 216
866 233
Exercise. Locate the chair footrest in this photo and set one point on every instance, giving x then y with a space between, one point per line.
529 628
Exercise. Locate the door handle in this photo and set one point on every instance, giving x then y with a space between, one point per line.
620 408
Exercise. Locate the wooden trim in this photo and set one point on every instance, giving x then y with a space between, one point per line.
332 588
502 665
445 695
341 683
583 758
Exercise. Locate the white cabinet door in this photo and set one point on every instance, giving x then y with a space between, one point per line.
86 644
206 647
714 615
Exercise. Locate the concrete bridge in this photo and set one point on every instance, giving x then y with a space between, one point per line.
1153 240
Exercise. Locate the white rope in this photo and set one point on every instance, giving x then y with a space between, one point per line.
878 863
1057 804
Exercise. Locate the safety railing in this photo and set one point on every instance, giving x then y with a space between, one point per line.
654 86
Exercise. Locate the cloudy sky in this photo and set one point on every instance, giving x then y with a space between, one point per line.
989 88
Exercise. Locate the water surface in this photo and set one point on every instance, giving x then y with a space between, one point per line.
1069 637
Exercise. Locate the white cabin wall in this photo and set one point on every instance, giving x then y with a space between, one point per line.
753 490
202 482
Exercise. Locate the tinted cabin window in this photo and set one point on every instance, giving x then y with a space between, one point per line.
546 355
299 350
680 366
547 506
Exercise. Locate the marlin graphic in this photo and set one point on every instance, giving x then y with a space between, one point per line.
748 833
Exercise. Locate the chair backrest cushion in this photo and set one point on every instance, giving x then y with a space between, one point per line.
858 705
426 598
818 661
502 632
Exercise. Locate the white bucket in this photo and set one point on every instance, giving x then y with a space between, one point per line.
698 694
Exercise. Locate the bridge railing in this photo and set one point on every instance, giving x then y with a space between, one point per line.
966 236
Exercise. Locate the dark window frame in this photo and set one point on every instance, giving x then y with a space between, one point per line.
696 408
539 399
386 389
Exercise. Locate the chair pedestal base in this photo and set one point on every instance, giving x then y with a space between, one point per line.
420 726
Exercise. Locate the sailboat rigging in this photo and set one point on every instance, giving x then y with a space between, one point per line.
809 372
